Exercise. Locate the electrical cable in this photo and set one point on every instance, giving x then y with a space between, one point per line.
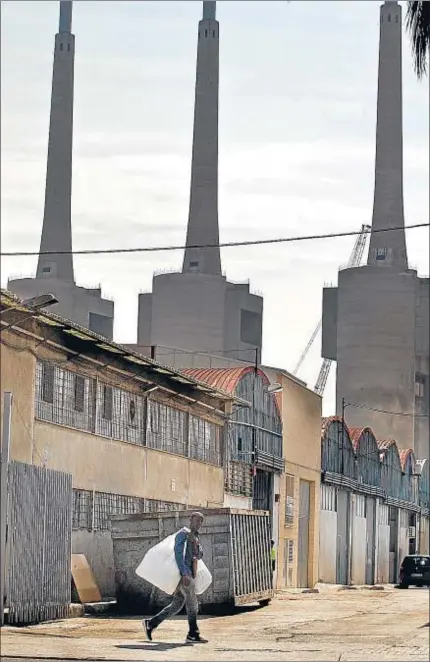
230 244
385 411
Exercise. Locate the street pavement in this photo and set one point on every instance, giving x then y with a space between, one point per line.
342 625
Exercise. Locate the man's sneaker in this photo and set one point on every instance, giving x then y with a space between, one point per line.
195 639
148 629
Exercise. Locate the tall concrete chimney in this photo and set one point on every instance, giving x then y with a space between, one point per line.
203 213
389 248
57 227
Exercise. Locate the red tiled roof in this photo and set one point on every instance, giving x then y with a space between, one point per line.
385 444
226 379
325 422
356 433
404 455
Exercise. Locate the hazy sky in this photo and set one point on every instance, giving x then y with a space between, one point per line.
297 124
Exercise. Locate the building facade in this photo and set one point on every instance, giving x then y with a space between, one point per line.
135 436
254 461
374 506
299 512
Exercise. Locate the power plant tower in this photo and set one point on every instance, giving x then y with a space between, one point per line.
55 272
203 215
376 322
198 309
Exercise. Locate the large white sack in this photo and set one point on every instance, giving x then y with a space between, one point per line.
159 568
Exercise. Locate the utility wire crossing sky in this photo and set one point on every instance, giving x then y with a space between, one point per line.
256 242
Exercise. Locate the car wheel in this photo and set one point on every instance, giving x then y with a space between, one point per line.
402 585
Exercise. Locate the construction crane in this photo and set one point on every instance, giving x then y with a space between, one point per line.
354 261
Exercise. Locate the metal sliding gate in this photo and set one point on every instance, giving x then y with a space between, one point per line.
251 557
38 553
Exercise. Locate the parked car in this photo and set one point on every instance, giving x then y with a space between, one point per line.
415 571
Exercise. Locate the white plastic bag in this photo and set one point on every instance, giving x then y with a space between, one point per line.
159 568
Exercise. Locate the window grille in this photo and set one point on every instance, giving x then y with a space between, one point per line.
82 509
205 441
63 397
328 498
360 505
289 500
94 510
106 505
67 398
120 414
383 514
166 428
238 479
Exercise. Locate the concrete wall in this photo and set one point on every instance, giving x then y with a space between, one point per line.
424 543
376 349
403 535
383 556
74 303
422 367
197 312
358 561
18 376
329 324
327 547
234 501
107 465
301 419
98 549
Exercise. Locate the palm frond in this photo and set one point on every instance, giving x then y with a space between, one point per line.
418 26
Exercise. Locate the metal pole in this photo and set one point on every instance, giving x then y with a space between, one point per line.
343 435
253 430
5 446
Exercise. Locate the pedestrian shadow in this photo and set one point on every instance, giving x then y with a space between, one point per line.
153 646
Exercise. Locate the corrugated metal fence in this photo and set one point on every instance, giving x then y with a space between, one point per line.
38 556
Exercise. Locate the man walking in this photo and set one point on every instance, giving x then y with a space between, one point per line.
187 552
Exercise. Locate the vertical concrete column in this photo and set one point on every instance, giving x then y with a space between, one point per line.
203 211
389 248
57 226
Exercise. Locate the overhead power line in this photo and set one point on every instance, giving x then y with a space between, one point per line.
229 244
385 411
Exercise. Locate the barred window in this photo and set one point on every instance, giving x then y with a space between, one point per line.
63 397
360 505
328 498
156 506
48 372
238 478
79 393
383 514
107 504
107 397
289 500
165 430
205 440
120 414
93 511
82 508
